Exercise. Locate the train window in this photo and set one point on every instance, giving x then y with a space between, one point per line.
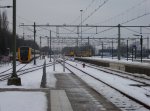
24 51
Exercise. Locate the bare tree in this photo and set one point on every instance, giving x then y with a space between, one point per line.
4 21
0 22
4 33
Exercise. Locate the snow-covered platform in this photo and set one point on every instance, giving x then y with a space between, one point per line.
59 101
69 94
64 91
79 94
123 65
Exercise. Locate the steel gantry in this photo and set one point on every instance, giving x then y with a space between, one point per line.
91 26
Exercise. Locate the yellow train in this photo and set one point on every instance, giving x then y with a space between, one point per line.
83 53
69 53
25 54
86 53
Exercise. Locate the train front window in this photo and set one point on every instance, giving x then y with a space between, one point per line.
24 51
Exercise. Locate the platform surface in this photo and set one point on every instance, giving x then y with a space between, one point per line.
59 101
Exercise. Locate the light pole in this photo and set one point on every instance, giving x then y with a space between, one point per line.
81 25
141 43
119 34
127 49
14 80
34 42
50 45
23 31
40 47
112 49
102 50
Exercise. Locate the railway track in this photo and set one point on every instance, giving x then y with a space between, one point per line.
8 69
16 67
137 78
24 71
5 76
139 103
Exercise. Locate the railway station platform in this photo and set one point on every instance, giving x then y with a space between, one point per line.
67 90
72 94
120 65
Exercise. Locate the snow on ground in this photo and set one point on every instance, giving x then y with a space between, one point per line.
30 80
112 95
117 82
22 101
119 61
51 80
38 99
28 101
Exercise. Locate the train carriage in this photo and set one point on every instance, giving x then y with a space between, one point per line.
25 54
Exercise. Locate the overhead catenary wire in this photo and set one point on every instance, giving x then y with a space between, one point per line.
91 28
95 10
131 30
127 21
127 11
84 10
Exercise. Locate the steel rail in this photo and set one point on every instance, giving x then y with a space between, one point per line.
130 97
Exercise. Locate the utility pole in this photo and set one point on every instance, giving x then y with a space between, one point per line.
50 45
88 41
34 43
77 50
112 49
14 80
141 42
89 45
132 54
77 43
102 51
81 26
148 47
135 52
23 31
40 47
118 41
127 50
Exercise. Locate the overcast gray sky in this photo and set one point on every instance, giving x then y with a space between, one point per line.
68 12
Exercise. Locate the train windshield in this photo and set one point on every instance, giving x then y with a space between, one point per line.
24 51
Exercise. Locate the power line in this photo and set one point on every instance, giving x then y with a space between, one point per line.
132 19
131 30
123 13
95 10
33 22
83 11
140 16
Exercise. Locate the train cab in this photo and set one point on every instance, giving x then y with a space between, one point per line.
24 54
